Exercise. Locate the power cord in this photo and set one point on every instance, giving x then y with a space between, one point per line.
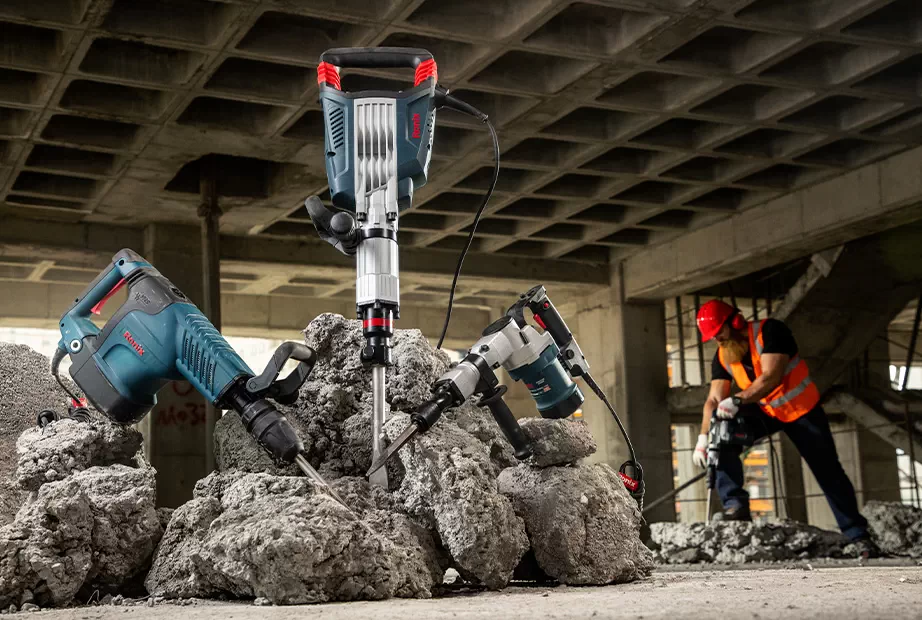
443 99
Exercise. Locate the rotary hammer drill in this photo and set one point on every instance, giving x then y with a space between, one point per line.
545 362
158 336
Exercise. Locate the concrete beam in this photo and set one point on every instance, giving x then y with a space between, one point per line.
873 420
871 199
93 244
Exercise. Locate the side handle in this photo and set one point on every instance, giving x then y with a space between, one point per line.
284 391
506 421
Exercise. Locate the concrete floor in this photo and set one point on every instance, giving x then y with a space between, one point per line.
878 592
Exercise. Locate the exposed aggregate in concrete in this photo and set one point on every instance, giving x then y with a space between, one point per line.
258 530
26 388
89 523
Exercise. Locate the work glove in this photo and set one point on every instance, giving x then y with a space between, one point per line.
701 451
727 409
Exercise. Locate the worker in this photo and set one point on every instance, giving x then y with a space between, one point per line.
776 394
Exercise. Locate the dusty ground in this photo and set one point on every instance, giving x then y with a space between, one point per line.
878 591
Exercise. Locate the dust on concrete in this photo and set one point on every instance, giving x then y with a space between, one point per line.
882 593
26 388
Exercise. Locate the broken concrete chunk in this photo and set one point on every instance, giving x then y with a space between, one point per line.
126 526
26 388
48 548
557 442
421 560
257 535
450 483
736 542
582 524
94 529
896 527
67 446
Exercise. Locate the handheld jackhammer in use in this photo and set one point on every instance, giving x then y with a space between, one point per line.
378 146
545 362
158 336
723 432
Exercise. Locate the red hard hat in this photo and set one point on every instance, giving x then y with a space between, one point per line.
712 316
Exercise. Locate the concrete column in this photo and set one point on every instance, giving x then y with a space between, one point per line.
880 477
210 214
625 344
692 507
175 431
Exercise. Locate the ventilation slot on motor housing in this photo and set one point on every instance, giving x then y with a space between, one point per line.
338 128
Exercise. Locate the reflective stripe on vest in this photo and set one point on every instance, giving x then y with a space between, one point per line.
791 394
784 406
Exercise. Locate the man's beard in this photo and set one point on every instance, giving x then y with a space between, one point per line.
734 349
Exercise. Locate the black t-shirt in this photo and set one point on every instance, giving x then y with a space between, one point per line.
776 338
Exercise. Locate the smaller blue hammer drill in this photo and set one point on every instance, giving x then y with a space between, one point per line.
158 336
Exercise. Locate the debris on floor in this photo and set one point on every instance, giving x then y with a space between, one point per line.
737 542
896 527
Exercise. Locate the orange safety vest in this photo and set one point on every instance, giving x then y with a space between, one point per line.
796 395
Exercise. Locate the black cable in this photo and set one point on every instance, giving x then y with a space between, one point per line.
483 205
598 392
55 364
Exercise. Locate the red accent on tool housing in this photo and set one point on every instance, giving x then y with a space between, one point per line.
425 70
328 74
102 302
378 323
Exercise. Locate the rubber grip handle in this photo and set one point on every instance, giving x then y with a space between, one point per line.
507 422
375 57
550 320
284 391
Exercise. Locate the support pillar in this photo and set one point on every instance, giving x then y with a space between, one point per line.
693 506
210 214
625 344
175 431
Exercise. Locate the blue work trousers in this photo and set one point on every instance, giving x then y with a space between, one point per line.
810 434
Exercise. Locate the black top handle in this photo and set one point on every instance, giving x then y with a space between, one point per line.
376 57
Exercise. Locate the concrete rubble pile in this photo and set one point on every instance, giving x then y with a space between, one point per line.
452 502
736 542
88 522
896 527
26 388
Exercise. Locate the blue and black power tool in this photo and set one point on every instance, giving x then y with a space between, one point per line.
378 145
546 362
158 335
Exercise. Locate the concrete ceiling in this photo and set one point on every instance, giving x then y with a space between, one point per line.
622 123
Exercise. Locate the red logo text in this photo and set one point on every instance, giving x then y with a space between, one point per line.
134 343
417 128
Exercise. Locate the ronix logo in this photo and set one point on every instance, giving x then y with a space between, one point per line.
134 343
417 127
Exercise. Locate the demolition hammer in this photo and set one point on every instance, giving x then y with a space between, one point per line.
158 335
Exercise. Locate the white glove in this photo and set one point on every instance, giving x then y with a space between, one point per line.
700 457
726 409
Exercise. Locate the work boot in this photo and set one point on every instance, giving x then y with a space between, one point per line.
734 513
866 549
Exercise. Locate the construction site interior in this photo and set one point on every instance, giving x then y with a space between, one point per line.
461 308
